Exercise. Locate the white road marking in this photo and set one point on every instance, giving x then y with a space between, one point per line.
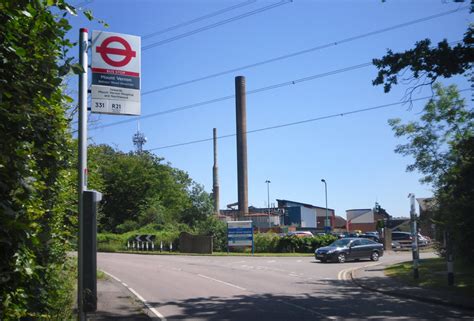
223 282
113 277
145 302
346 274
152 309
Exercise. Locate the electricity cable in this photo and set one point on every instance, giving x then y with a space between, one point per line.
305 51
249 92
356 111
207 16
219 99
217 24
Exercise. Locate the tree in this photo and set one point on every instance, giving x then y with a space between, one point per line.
140 190
426 63
445 122
134 183
201 206
34 156
442 144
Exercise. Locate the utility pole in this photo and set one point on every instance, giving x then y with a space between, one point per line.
326 222
414 235
268 201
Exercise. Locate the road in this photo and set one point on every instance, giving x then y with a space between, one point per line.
260 288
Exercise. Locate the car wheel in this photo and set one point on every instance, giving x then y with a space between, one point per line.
341 257
374 256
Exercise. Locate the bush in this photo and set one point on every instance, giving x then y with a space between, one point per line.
291 244
127 226
266 242
108 242
216 228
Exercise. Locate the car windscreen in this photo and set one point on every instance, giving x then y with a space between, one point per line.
340 243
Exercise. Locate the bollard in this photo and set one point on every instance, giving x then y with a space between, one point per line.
171 246
128 245
152 246
161 246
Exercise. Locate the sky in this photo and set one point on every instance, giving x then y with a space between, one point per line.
354 153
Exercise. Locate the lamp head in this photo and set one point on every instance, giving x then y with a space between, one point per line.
323 180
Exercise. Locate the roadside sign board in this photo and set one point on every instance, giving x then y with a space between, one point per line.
115 69
239 233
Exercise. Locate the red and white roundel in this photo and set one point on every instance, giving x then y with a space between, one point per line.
115 53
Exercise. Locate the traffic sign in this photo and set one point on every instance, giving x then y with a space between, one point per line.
239 233
115 73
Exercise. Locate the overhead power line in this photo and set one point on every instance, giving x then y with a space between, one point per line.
214 25
207 16
305 51
219 99
356 111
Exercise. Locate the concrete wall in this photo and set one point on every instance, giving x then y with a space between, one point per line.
189 243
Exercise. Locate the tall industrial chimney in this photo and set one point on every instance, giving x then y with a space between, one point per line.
215 175
241 119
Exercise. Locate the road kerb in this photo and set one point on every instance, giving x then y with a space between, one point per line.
138 296
407 295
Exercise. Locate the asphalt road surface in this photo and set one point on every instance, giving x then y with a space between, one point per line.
260 288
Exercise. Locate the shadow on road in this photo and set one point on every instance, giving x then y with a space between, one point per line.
345 301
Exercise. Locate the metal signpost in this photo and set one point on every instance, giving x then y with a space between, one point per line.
239 233
115 90
115 73
82 163
414 235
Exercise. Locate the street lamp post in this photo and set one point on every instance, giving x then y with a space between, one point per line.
326 223
268 200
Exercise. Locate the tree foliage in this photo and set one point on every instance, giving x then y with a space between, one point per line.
426 63
34 156
445 122
442 145
140 190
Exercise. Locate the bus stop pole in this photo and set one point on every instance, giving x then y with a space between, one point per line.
82 164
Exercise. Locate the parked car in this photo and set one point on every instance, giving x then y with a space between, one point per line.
405 238
375 233
401 236
423 240
300 233
372 237
349 249
396 245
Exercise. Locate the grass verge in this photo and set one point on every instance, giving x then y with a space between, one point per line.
433 274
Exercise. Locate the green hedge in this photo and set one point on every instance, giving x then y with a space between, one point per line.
272 243
263 242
